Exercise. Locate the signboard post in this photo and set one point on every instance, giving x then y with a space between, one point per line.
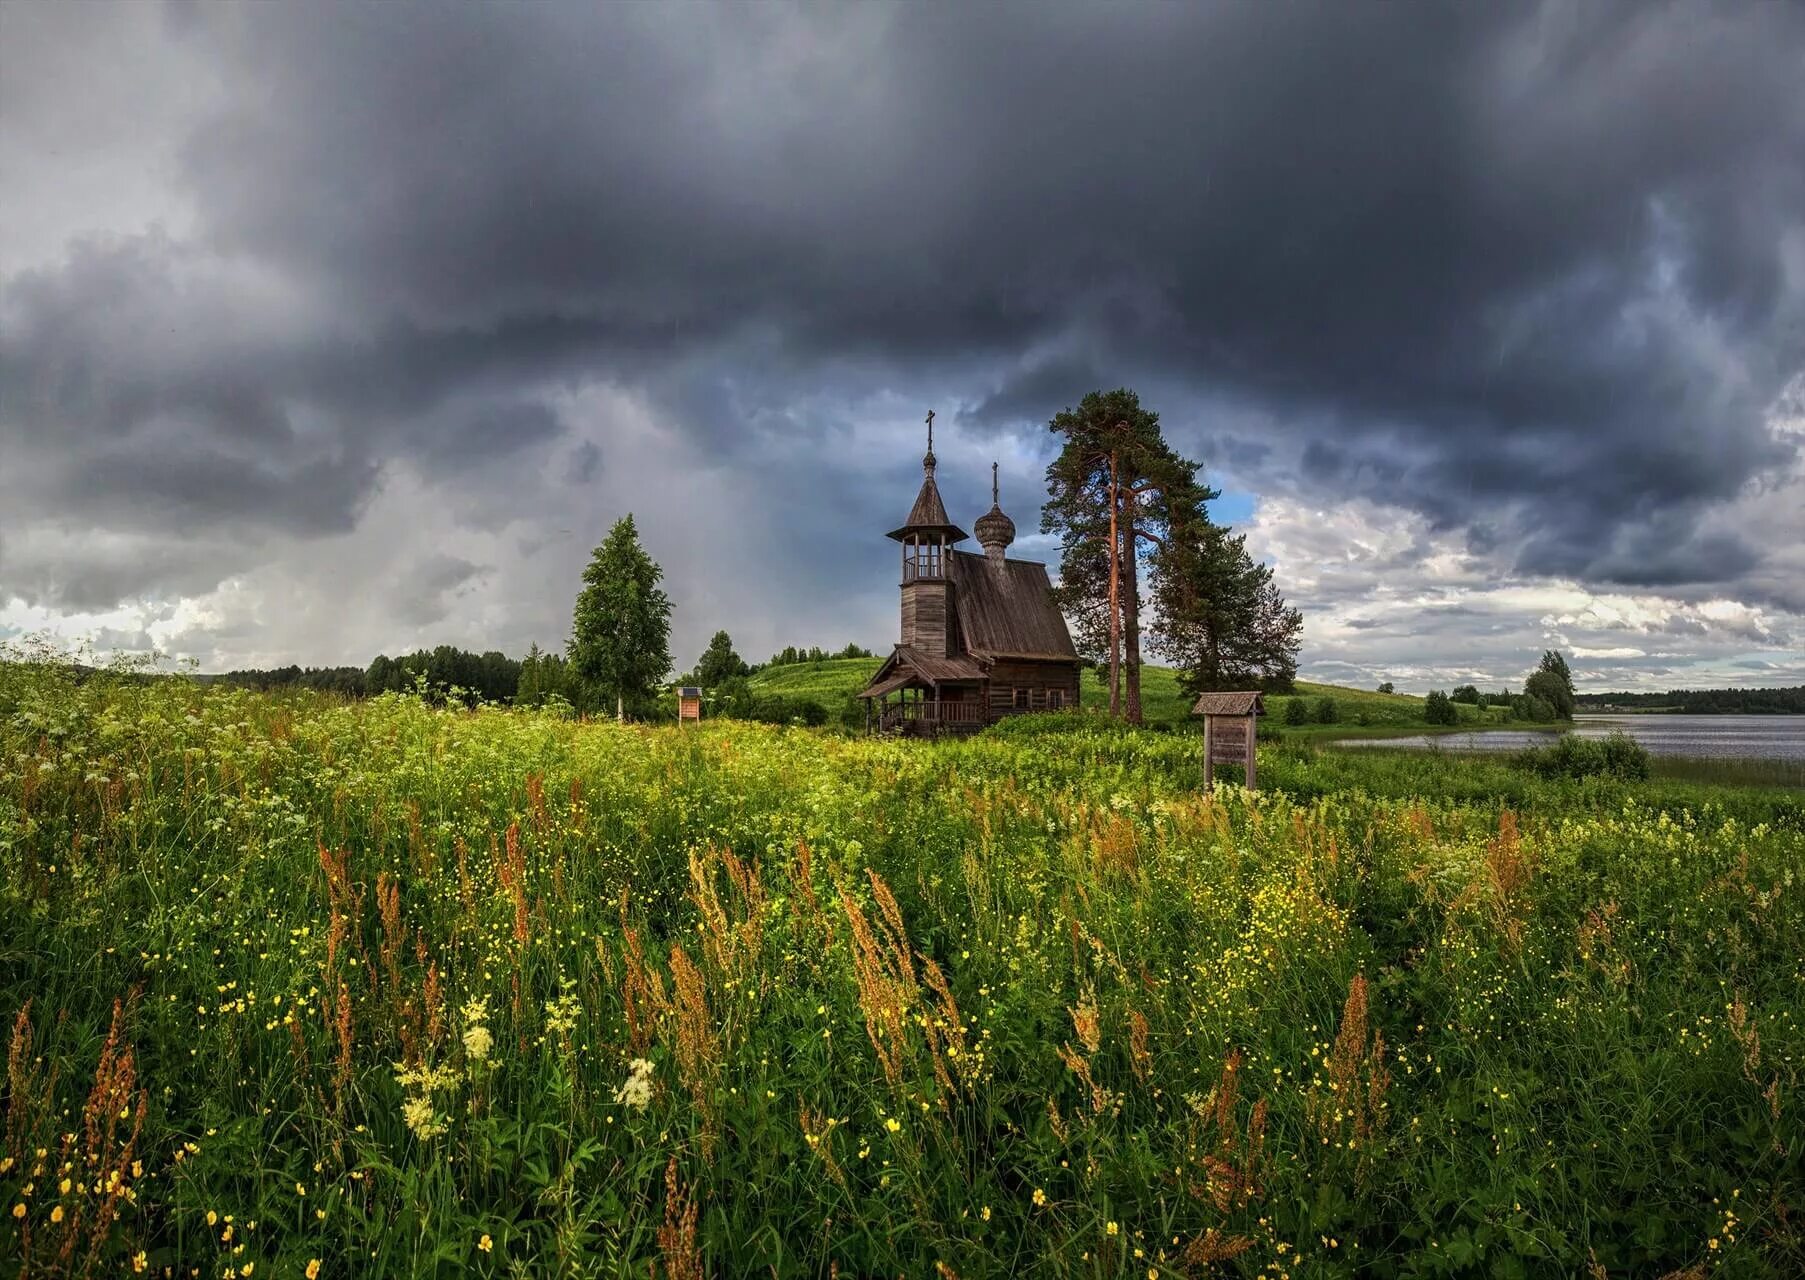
1228 733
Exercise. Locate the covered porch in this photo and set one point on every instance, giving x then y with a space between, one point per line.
922 696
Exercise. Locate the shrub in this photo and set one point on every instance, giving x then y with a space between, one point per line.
1570 756
1057 722
1527 706
1327 712
1466 693
778 710
1438 708
1297 711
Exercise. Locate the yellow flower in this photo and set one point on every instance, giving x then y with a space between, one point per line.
1110 1228
140 1260
18 1211
893 1125
1040 1197
212 1217
984 1213
313 1269
485 1244
56 1214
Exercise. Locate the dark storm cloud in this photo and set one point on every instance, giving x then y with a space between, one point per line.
1524 270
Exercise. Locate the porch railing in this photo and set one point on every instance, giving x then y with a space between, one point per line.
932 715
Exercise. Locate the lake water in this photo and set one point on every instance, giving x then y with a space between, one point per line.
1747 737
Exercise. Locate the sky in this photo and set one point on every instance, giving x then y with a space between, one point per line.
328 331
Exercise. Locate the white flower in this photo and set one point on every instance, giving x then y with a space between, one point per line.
636 1091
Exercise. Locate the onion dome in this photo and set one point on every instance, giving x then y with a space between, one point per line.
994 529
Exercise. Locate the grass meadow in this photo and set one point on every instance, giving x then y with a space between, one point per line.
297 987
832 681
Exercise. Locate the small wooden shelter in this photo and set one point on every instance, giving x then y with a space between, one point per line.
982 636
1228 732
689 703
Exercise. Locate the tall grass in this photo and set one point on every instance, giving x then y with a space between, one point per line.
389 989
1759 771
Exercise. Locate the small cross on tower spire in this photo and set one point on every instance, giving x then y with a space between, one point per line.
993 484
928 462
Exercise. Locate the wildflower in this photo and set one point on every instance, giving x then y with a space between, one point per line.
1110 1228
313 1269
419 1115
56 1214
485 1244
18 1211
1040 1198
636 1091
561 1014
477 1043
893 1125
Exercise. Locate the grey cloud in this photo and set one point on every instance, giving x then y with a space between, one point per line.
1520 270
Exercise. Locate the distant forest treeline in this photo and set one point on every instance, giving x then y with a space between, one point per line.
490 677
1704 702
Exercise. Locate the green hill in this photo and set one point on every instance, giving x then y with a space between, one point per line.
832 681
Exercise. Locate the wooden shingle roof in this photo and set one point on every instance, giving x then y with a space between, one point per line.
907 665
1007 610
1250 703
928 515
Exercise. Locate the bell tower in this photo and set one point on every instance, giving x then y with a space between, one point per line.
926 538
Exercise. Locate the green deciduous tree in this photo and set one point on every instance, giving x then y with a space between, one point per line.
620 630
1552 682
719 663
1438 708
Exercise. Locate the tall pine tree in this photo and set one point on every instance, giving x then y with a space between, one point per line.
1114 492
621 628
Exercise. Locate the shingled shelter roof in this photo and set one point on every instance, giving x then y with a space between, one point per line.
906 665
1230 704
1006 609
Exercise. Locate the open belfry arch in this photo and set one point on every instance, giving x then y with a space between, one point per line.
981 636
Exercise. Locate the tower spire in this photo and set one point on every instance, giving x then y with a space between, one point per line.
927 462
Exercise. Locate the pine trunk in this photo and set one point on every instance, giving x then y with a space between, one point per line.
620 709
1129 594
1115 603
